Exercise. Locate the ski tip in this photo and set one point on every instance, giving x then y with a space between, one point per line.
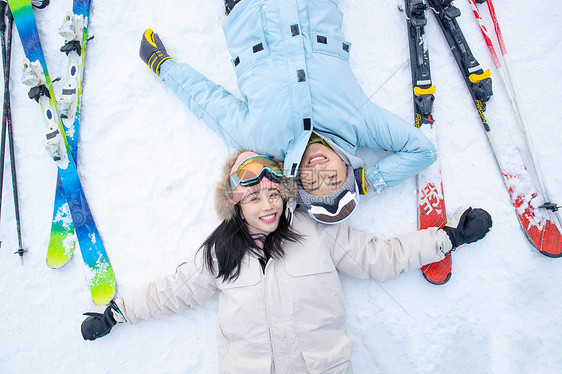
550 243
103 298
439 272
61 246
103 288
551 255
439 281
546 238
56 263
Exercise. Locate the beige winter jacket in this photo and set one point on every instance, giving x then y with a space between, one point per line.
290 317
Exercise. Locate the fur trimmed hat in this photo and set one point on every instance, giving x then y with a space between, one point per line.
225 200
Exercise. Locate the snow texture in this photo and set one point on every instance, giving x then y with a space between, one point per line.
148 167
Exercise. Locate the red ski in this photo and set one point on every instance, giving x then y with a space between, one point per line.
431 202
529 195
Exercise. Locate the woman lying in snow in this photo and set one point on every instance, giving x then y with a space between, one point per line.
280 303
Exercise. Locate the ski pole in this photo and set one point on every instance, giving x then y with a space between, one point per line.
485 34
20 250
5 109
516 100
509 84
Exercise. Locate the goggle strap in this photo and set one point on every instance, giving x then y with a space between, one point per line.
321 209
234 182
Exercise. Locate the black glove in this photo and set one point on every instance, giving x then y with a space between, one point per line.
99 324
361 180
152 51
473 225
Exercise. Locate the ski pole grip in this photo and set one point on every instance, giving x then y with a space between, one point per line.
2 12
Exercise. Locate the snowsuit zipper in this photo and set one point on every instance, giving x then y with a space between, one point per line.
333 134
267 318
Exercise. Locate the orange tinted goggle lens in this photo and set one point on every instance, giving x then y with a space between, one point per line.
253 167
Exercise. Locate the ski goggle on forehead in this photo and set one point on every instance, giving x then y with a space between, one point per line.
342 208
253 169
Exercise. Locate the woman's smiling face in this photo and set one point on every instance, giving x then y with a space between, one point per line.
262 209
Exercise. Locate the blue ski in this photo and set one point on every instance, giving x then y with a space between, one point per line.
75 32
99 272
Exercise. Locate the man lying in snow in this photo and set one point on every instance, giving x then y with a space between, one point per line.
302 103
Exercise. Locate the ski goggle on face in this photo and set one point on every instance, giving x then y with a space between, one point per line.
344 205
253 169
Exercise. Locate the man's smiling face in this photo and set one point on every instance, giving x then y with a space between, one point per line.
321 170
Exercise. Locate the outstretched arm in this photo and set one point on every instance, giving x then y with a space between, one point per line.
362 255
191 285
220 110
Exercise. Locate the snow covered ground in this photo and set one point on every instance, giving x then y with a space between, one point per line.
148 167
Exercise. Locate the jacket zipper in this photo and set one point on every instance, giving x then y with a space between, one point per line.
267 319
319 132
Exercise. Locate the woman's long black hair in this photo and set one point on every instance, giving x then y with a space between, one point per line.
231 241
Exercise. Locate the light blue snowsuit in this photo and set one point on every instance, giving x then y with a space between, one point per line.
292 65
